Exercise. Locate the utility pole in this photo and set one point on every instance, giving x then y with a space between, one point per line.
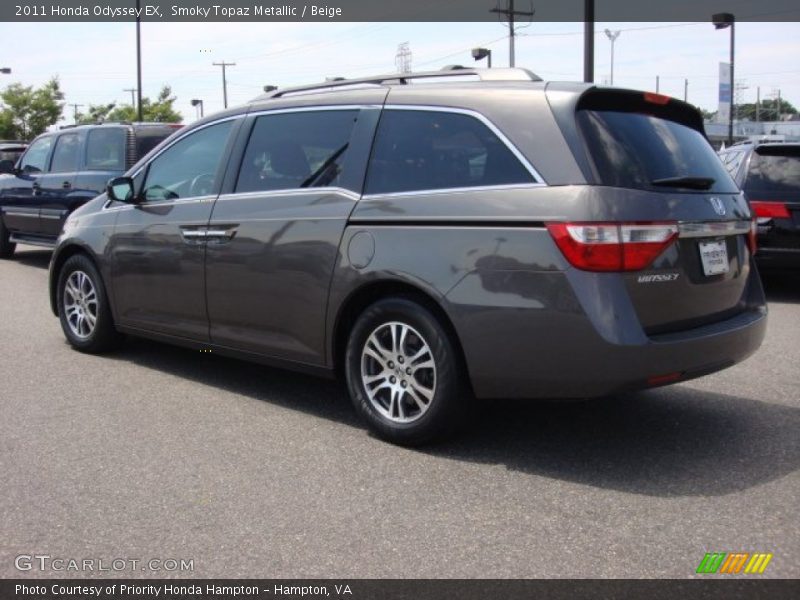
685 90
133 97
588 41
223 64
75 108
402 59
658 84
138 64
510 13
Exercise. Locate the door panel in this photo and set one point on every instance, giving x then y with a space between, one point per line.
56 186
267 286
274 240
21 200
158 246
157 270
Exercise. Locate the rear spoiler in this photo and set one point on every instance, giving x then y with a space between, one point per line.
651 103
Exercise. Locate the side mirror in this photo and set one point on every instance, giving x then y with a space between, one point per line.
6 166
120 189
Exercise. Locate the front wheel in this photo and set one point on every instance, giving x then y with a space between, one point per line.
83 307
403 373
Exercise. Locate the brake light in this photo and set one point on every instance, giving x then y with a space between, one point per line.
654 98
612 246
770 210
752 245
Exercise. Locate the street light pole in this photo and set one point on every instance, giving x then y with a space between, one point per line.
588 41
138 64
612 35
196 102
722 21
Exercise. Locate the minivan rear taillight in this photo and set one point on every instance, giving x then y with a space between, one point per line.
612 246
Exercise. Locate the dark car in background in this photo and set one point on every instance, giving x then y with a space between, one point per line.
489 235
60 171
769 174
10 151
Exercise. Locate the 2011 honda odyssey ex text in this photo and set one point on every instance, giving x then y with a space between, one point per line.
434 238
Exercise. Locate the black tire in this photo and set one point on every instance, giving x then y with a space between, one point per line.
103 336
451 402
6 247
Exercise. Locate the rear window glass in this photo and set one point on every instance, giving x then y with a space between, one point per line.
774 170
632 150
105 150
148 138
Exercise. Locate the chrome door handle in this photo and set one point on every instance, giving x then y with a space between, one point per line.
194 234
221 234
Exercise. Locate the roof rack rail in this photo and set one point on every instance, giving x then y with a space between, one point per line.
404 78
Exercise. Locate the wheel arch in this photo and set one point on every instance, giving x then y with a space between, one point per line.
369 293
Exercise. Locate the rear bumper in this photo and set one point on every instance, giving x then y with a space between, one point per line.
552 345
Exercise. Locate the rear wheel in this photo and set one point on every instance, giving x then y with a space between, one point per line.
402 373
83 307
6 247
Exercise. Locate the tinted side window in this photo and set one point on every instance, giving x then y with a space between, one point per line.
296 150
428 150
35 159
105 149
65 155
189 167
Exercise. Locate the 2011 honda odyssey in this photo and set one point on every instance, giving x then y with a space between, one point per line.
431 237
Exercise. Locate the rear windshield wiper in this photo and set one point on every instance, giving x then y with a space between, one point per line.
692 183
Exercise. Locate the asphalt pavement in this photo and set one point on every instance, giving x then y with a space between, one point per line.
162 453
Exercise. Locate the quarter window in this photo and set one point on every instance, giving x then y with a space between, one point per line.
189 167
65 155
35 158
105 149
296 150
429 150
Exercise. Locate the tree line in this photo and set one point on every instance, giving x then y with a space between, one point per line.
27 111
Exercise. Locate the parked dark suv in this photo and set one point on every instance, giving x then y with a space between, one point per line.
61 171
769 174
431 241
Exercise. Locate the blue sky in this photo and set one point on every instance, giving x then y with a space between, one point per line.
96 61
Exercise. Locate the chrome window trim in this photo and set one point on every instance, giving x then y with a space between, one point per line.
483 119
712 228
456 190
189 200
291 192
315 108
